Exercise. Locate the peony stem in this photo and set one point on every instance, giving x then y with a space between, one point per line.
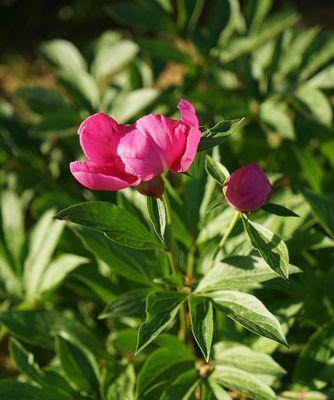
225 236
169 250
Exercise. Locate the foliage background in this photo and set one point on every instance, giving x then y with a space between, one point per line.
137 57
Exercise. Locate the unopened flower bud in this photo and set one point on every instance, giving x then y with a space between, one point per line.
248 188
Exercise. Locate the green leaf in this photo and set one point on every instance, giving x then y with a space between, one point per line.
57 271
271 28
163 51
11 389
249 312
25 362
323 210
82 87
201 316
43 241
238 272
144 16
218 133
41 327
13 224
63 55
315 357
324 79
157 216
256 12
312 170
78 364
118 224
123 387
217 170
276 117
128 105
161 368
128 304
243 383
161 309
248 360
217 390
316 104
120 260
183 386
42 101
277 209
111 59
270 246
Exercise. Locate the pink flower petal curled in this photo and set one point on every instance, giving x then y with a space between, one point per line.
248 188
193 137
99 136
102 177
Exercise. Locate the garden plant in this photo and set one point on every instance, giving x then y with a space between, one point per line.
167 209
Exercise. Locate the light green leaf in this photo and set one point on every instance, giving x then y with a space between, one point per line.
201 316
43 241
243 383
63 55
82 87
58 269
157 216
217 170
78 364
256 11
124 385
111 59
238 272
316 103
130 104
249 312
270 246
324 79
13 224
118 224
248 360
276 116
161 309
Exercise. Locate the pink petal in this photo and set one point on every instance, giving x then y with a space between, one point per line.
152 145
99 137
193 137
188 113
102 177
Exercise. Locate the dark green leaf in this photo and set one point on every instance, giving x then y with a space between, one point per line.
323 210
217 134
118 224
201 316
161 309
279 210
11 389
78 363
128 304
183 386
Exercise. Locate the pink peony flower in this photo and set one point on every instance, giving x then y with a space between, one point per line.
248 188
126 155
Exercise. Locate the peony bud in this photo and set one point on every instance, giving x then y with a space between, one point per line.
153 188
248 188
